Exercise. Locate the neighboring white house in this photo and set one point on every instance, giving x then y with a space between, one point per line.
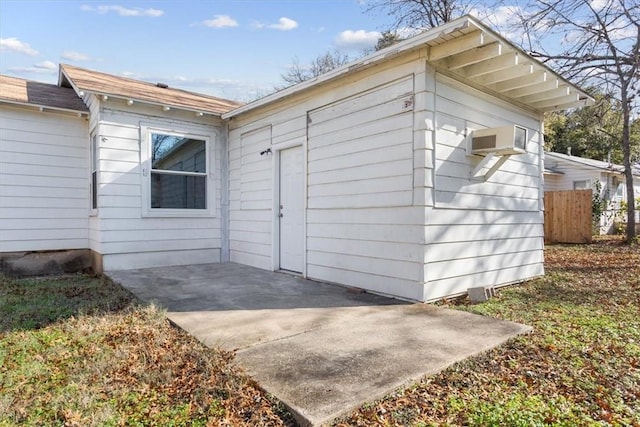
380 174
44 154
565 172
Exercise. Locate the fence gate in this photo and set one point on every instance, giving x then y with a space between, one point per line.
567 216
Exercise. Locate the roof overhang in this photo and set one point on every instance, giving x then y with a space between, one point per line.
42 107
597 165
66 80
40 96
474 54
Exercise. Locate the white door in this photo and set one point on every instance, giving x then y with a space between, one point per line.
291 209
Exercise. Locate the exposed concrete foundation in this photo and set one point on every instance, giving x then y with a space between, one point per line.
481 294
21 264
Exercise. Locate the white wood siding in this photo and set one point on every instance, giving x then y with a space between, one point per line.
360 154
250 201
390 207
552 182
514 187
44 185
481 233
572 172
354 147
125 237
363 228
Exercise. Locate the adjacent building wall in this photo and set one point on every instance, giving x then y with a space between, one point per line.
611 184
572 173
44 181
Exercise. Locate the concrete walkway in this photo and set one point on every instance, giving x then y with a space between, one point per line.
322 349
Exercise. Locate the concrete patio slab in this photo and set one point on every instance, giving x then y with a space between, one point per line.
322 349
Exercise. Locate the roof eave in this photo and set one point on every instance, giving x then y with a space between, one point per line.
80 91
553 172
43 107
200 112
611 168
477 56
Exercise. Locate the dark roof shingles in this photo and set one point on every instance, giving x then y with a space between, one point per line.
20 91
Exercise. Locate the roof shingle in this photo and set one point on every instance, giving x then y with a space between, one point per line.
107 84
20 91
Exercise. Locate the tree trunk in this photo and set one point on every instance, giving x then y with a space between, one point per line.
628 172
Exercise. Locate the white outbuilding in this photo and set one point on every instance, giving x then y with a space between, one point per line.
415 171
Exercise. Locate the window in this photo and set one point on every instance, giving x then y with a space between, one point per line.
520 138
582 185
177 173
619 194
94 173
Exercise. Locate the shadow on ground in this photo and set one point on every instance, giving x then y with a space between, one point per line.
33 303
322 349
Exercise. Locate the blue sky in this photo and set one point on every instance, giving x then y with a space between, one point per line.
227 48
234 49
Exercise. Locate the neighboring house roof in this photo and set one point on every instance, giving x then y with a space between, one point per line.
469 51
24 92
595 164
83 80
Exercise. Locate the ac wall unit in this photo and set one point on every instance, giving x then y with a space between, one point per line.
505 140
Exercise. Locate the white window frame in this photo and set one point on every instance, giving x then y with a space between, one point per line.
586 182
145 171
94 161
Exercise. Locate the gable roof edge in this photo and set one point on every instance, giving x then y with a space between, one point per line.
436 36
369 60
588 163
102 85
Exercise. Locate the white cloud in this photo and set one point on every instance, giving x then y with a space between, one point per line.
359 39
221 21
284 24
12 44
75 56
123 11
44 67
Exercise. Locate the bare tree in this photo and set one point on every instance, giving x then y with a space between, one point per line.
596 43
323 63
421 14
388 38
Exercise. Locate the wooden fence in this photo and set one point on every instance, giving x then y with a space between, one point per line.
567 216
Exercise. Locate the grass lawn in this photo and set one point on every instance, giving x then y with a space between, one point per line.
580 366
80 351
